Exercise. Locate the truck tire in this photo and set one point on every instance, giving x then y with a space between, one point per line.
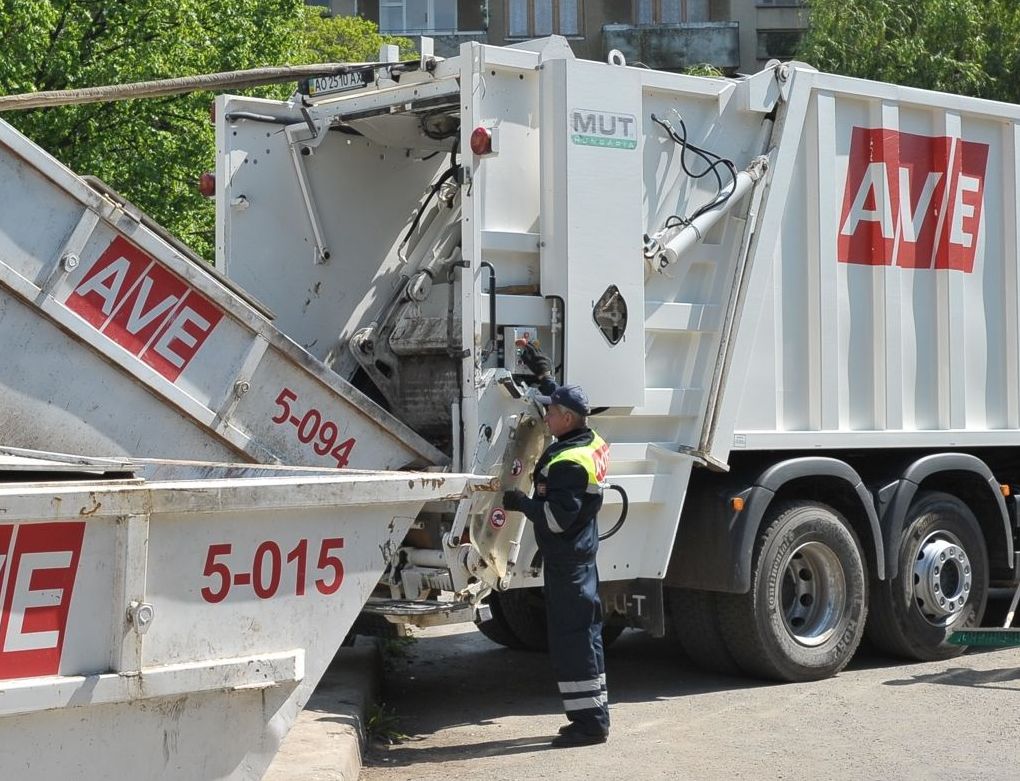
524 612
804 615
693 618
941 585
611 633
496 628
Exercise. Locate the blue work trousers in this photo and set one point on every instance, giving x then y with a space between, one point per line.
575 641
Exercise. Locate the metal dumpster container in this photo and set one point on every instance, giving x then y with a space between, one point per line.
117 340
174 628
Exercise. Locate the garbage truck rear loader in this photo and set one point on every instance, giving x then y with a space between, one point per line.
793 295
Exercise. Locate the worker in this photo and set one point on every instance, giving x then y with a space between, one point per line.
564 509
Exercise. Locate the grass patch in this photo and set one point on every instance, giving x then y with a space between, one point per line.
383 725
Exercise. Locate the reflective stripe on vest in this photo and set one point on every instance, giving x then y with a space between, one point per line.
594 458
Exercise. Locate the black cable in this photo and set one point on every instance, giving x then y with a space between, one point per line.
704 154
682 142
453 152
453 170
713 163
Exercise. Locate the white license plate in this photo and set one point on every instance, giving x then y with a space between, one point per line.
340 82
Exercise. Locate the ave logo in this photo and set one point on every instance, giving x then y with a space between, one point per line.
143 307
38 567
912 201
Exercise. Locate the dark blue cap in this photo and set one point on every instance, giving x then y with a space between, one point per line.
570 396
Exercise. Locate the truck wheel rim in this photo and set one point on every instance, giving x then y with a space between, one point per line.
813 593
942 578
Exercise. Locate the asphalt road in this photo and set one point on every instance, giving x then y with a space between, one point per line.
472 709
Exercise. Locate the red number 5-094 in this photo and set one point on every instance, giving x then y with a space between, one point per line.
265 574
312 429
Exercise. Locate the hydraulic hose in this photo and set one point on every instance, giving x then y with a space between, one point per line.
623 513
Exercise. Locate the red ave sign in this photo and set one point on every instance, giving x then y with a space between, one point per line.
38 565
144 308
912 201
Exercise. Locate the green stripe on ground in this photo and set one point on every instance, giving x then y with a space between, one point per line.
987 638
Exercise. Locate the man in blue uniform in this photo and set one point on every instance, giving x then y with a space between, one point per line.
564 509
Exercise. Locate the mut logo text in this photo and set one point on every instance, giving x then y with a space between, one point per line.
602 128
144 308
38 566
912 201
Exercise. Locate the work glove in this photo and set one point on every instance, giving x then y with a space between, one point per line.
514 499
536 360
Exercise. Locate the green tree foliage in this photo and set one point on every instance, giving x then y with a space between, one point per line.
154 150
968 47
343 38
1003 62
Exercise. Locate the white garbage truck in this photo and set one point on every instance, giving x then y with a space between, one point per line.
793 298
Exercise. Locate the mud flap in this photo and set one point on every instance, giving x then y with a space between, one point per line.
639 602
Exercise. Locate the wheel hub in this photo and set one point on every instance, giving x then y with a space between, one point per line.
814 593
942 579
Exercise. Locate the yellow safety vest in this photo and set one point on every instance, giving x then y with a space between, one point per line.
593 457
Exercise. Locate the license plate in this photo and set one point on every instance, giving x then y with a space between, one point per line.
340 82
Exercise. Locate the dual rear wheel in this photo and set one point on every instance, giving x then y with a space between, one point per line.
941 584
804 615
808 606
811 600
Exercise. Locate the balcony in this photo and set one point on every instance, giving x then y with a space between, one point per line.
448 44
676 46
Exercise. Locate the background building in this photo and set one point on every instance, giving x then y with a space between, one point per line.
733 35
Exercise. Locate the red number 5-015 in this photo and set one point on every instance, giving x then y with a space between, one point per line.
266 574
328 561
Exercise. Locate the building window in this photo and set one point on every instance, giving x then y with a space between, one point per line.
658 11
778 44
535 18
670 11
417 16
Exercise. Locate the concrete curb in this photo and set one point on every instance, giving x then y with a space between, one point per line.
328 739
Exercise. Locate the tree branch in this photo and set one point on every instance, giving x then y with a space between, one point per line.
54 35
99 27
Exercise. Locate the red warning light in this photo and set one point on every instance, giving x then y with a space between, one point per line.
481 141
207 184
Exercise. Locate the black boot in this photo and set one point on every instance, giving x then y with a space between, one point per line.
575 735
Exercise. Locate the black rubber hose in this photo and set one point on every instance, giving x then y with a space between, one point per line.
623 512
